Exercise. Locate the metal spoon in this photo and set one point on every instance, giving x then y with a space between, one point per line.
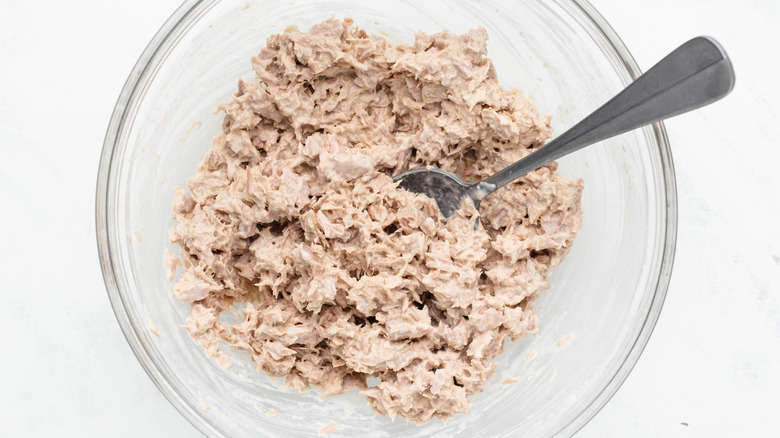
695 74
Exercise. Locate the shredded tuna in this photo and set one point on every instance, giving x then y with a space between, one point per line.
345 276
171 263
151 325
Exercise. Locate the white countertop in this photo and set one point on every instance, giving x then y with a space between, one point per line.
712 367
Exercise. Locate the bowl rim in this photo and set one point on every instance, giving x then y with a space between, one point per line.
164 39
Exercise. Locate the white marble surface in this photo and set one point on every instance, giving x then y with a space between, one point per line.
66 369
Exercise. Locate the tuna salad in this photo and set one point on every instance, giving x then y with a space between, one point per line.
342 275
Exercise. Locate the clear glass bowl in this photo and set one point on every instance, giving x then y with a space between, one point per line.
594 322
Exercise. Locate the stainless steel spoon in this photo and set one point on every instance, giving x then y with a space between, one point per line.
693 75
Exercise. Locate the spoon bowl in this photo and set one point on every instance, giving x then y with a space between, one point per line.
446 189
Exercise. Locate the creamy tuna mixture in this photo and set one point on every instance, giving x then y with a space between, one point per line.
344 275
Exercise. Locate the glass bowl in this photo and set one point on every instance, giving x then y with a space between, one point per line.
593 323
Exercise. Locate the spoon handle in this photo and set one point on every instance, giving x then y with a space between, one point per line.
695 74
